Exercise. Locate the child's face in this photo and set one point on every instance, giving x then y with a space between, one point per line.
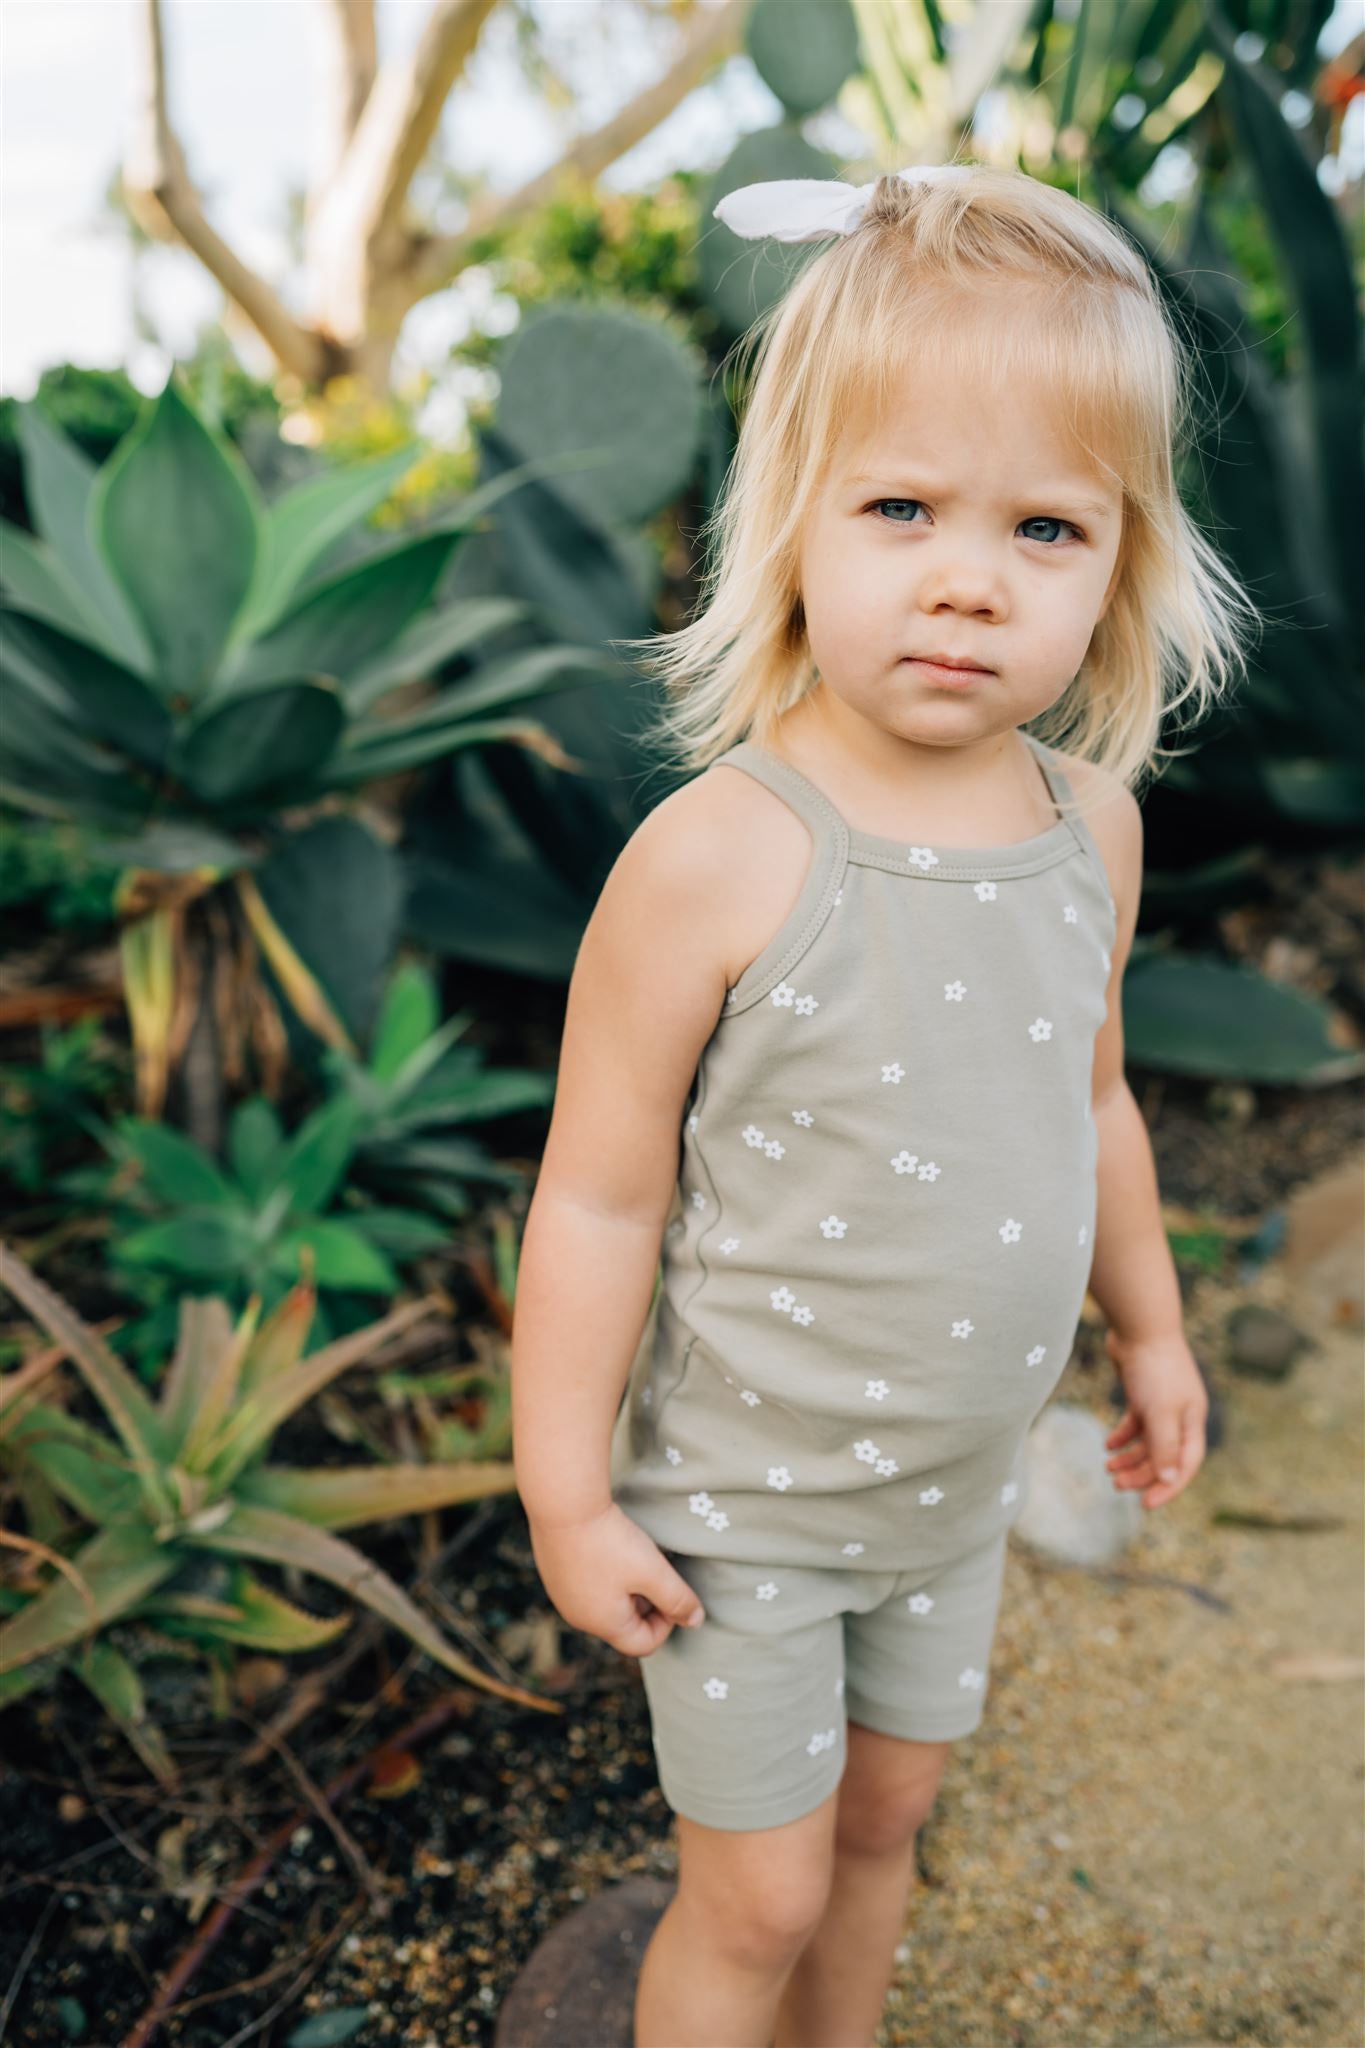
963 525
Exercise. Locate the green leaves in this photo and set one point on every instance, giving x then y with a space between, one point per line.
1185 1015
162 649
175 514
213 1498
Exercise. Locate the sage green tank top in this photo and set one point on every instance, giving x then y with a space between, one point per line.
882 1231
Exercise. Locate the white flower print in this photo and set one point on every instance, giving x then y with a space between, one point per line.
876 1390
893 1071
972 1680
866 1450
647 1396
819 1742
838 895
716 1688
784 995
774 1148
1105 957
922 857
929 1170
1008 1492
1040 1028
1070 913
731 994
700 1503
854 1549
985 891
783 1299
728 1245
905 1162
885 1467
833 1226
1010 1231
954 991
673 1454
780 1477
803 1116
1080 1235
963 1327
930 1496
698 1199
839 1688
748 1395
1037 1355
769 1590
752 1135
717 1519
802 1314
919 1603
805 1006
693 1121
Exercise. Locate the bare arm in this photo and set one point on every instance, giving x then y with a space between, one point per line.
648 985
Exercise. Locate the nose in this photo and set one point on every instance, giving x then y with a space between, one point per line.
960 577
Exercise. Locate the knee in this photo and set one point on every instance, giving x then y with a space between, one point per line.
884 1826
767 1929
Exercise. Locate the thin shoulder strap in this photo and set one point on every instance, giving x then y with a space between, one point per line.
827 827
1064 797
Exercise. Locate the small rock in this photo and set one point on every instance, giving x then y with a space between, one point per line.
1263 1343
1072 1511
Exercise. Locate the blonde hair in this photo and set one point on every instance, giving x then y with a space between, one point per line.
1086 325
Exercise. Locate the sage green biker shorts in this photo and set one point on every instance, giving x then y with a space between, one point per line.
748 1711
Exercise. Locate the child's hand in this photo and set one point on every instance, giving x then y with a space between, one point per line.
607 1576
1163 1426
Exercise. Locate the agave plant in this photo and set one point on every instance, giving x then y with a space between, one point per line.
176 1503
415 1090
180 671
272 1214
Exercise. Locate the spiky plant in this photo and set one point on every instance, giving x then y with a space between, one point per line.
184 1478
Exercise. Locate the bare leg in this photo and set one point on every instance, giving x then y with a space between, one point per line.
746 1903
835 1993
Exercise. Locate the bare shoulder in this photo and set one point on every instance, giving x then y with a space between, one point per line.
731 855
1114 817
649 983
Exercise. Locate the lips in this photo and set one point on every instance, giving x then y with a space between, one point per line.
950 661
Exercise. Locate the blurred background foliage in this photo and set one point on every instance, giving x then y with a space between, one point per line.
320 742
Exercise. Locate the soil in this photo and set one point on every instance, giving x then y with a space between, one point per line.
1153 1840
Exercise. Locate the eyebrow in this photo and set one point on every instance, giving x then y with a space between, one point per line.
1057 493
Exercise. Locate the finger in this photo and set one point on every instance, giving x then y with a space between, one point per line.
672 1595
1123 1431
1131 1456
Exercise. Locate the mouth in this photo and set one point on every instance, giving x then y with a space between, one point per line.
955 674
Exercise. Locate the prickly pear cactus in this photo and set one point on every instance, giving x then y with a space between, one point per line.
803 49
741 279
609 385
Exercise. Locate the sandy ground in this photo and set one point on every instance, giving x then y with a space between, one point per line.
1155 1838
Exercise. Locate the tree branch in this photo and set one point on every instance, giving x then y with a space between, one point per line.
357 239
718 34
161 196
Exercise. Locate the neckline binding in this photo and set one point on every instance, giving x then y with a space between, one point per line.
908 857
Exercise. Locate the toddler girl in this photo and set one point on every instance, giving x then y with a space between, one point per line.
849 1008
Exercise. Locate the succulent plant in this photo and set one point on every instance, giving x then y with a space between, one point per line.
181 1482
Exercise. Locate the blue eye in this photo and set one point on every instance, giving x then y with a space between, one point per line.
1039 519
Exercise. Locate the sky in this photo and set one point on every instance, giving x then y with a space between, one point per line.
241 73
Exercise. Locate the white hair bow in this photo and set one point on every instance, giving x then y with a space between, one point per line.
807 209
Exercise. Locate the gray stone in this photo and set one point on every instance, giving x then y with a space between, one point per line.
578 1988
1072 1511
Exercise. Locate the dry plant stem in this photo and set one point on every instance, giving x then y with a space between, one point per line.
258 1869
12 1990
